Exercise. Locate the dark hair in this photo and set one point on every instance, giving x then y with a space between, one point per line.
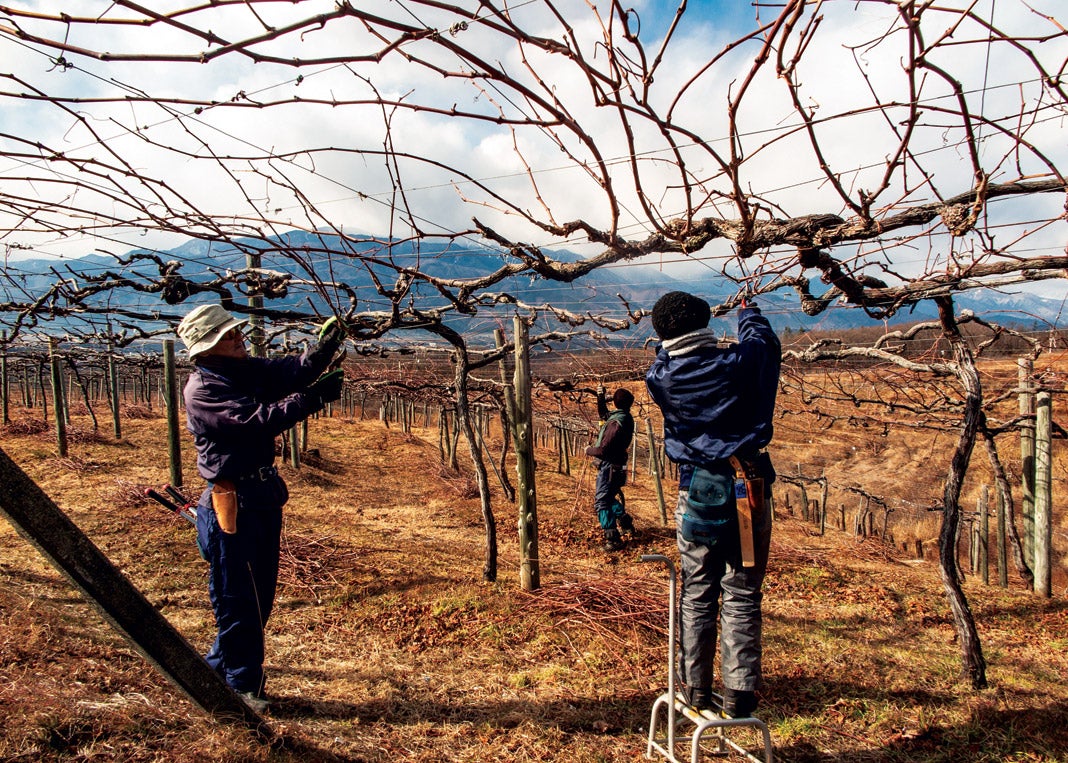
677 313
622 399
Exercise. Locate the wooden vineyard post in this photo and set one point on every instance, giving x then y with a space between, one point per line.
984 534
523 435
170 402
1043 488
5 414
1003 565
57 398
294 446
454 440
654 467
443 436
858 520
294 431
563 451
37 518
823 503
113 386
1027 456
565 443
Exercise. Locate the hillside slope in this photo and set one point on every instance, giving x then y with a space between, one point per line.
386 644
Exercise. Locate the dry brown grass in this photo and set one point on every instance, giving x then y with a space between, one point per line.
386 644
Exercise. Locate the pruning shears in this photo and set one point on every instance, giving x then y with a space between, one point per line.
176 502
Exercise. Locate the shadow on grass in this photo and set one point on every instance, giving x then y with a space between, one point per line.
990 732
619 715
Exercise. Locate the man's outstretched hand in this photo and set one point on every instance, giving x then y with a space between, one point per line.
332 332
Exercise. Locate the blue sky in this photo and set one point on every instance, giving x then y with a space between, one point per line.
722 14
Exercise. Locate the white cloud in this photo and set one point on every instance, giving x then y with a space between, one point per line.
218 161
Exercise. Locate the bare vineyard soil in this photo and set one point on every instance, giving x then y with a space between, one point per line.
386 644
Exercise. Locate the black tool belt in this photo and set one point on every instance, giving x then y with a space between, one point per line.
756 465
262 474
711 515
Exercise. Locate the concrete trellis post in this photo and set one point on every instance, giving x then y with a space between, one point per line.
257 335
824 488
523 434
1043 488
1027 455
1003 559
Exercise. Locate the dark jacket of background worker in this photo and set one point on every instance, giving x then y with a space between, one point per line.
717 402
236 405
610 448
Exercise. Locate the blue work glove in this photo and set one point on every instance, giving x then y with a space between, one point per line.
327 388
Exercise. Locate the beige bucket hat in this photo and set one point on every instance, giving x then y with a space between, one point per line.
204 326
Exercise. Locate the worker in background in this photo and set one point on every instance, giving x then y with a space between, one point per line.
610 450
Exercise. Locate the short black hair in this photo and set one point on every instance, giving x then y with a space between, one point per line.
678 312
622 399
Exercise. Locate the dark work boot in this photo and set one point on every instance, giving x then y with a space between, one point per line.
739 704
700 698
612 541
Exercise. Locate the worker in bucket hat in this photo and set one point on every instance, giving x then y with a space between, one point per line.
236 405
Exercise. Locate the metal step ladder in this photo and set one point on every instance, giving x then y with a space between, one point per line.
672 716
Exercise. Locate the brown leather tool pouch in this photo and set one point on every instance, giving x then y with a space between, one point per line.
749 498
224 501
755 488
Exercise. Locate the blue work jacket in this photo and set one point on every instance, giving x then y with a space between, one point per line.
717 401
235 407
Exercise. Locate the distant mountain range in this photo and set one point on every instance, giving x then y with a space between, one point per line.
597 293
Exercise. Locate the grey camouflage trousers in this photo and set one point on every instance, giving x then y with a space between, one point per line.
717 591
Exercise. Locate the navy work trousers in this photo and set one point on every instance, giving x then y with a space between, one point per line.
243 578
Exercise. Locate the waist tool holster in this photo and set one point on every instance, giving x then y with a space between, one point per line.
749 499
224 501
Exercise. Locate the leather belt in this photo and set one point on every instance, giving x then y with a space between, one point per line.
262 474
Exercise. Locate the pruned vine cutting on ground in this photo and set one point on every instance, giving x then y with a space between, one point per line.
868 156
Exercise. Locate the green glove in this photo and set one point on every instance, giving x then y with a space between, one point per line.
331 336
330 326
327 388
332 331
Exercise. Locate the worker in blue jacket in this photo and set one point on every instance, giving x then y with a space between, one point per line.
717 402
610 450
236 405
